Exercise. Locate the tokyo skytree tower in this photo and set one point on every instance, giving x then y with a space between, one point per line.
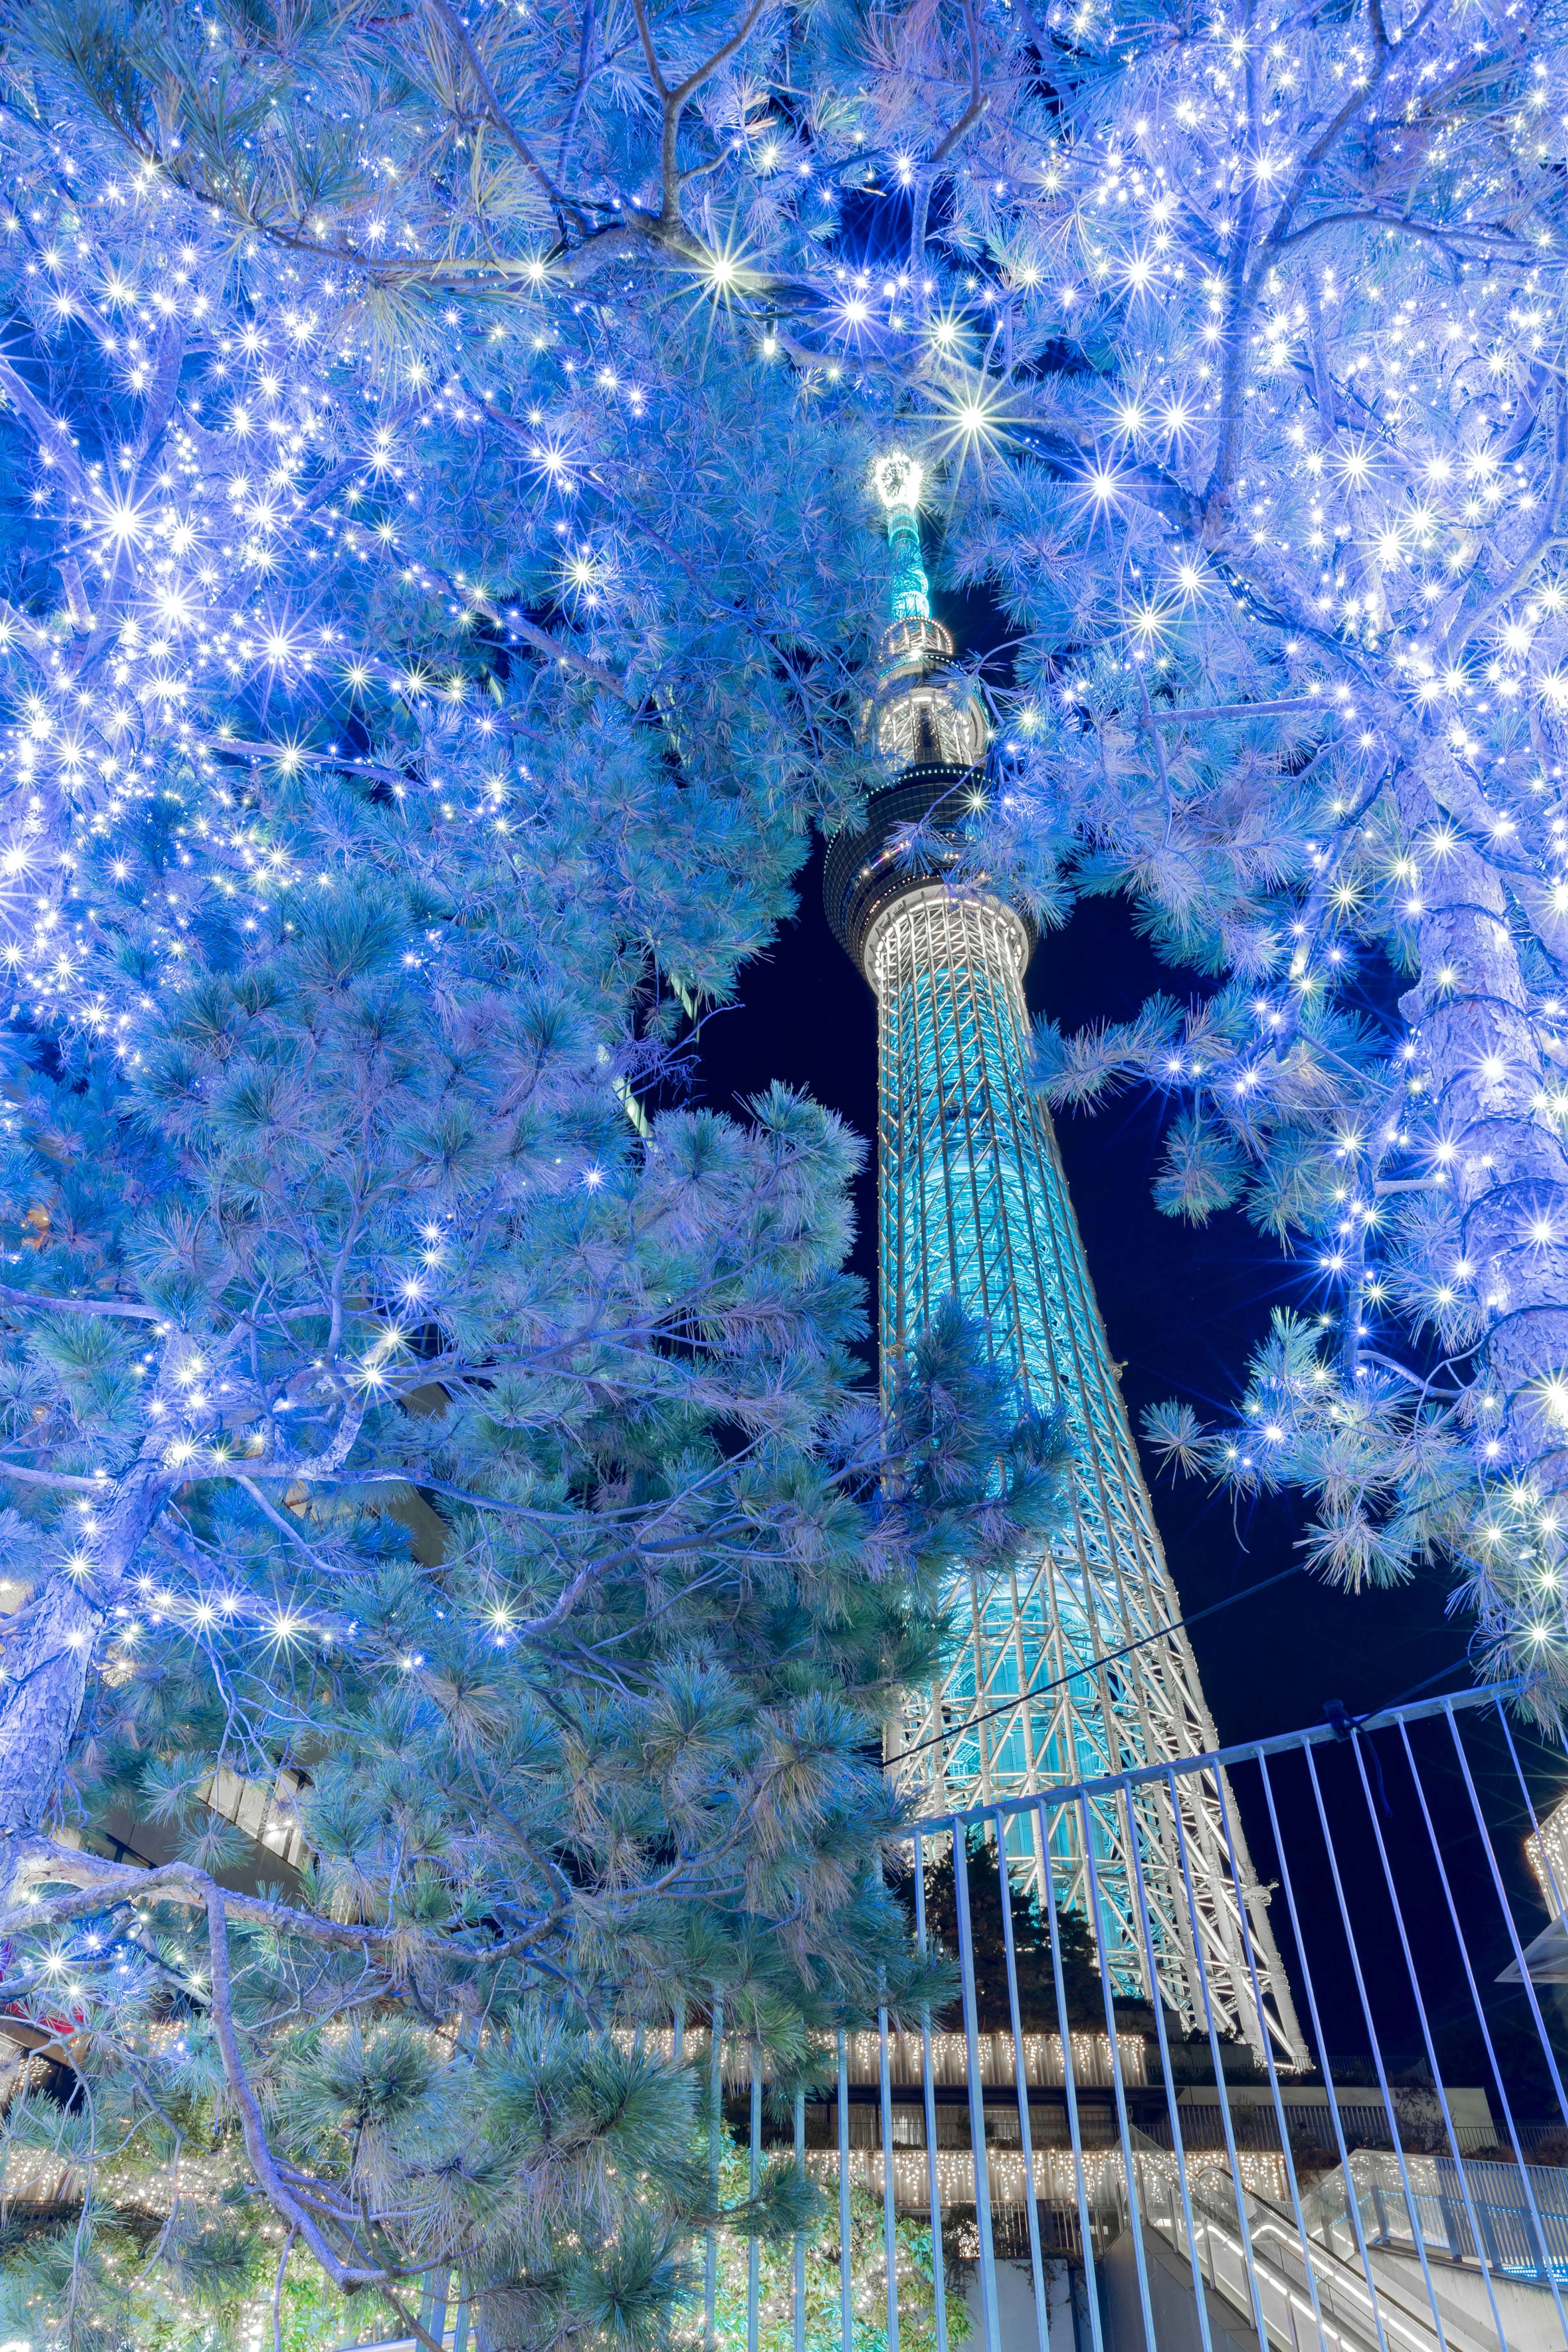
972 1201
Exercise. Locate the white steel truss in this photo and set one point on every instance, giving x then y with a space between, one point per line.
974 1201
1070 1667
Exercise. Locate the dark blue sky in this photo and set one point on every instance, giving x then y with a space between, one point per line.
1182 1308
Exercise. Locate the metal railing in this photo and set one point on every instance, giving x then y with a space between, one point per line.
1163 2194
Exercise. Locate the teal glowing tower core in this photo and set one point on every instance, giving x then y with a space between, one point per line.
972 1201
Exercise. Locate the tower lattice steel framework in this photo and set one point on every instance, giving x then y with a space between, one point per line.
972 1201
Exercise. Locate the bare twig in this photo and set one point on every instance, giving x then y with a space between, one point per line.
502 120
253 2130
278 2289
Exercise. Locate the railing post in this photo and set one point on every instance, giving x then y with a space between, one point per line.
977 2094
800 2234
939 2279
1134 2204
716 2126
1020 2085
846 2278
889 2208
1227 2121
1417 2234
753 2173
1351 2194
1070 2088
1172 2101
1430 2047
1470 1970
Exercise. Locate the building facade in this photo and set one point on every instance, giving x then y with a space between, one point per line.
1070 1664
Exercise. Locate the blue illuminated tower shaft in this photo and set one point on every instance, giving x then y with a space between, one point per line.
973 1202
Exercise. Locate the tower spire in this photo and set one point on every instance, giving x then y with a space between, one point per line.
1039 1688
899 479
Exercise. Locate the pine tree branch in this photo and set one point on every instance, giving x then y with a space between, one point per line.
98 1881
1446 239
675 101
175 1883
921 209
12 1297
296 755
1337 123
499 117
62 1478
279 1520
579 89
51 432
1207 713
558 650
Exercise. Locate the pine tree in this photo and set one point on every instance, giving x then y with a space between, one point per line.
1282 529
437 580
478 1478
359 1220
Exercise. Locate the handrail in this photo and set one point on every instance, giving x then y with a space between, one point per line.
1216 1759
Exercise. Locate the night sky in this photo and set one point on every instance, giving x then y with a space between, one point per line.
1183 1307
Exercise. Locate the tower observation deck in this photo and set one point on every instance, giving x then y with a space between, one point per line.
972 1201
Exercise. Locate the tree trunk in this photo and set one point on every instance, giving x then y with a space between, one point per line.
1478 1058
41 1700
47 1669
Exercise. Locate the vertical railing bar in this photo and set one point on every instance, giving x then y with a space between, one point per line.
1247 1944
1221 2091
938 2278
753 2178
1199 2296
1352 2200
433 2301
1085 2230
1529 1808
846 2279
1546 1860
1134 2215
889 2211
800 2280
1430 2049
677 2037
1508 1915
715 2125
1481 2013
1020 2085
1393 2132
976 2095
